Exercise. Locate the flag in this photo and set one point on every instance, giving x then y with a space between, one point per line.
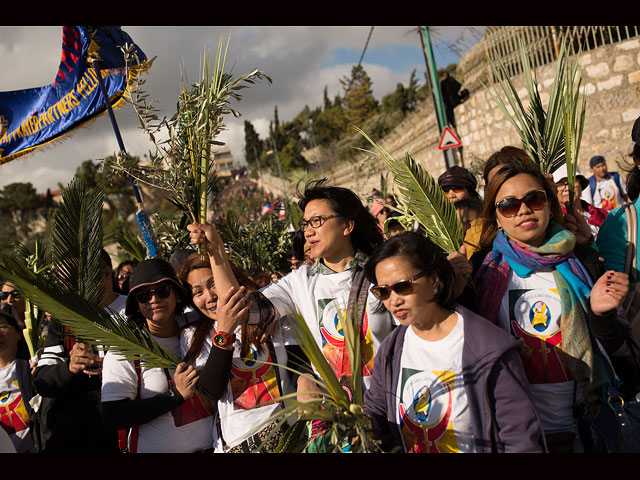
35 117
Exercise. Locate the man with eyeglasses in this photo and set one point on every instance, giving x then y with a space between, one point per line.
10 296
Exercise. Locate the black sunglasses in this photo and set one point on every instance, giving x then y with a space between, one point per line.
509 207
14 294
145 295
404 287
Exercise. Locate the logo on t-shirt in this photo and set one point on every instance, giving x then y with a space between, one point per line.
13 414
332 320
253 379
425 408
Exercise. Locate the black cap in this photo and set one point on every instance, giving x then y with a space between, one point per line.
457 176
596 160
151 272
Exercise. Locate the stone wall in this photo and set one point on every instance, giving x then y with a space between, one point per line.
611 82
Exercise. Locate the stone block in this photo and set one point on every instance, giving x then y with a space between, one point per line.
610 83
598 70
630 115
622 63
634 77
629 44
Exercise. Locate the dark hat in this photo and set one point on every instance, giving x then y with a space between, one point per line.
596 160
635 131
179 256
151 272
9 313
457 176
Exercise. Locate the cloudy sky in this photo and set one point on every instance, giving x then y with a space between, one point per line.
301 60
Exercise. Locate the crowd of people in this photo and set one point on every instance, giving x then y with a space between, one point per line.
489 349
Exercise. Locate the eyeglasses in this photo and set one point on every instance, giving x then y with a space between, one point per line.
404 287
161 292
14 294
315 222
509 207
454 189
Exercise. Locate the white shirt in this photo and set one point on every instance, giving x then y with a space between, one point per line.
432 407
321 299
606 195
252 382
531 310
14 419
164 434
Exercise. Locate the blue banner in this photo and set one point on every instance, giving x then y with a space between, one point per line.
35 117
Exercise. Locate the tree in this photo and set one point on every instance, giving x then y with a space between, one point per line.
20 207
253 146
359 102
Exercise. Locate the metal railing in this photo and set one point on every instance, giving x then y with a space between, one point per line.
541 44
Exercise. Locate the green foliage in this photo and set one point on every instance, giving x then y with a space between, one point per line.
542 131
423 199
256 246
348 427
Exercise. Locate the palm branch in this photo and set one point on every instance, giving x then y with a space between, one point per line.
88 321
423 199
183 163
349 428
131 244
543 133
33 316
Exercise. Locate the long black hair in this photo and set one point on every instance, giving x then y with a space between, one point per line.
425 256
633 173
366 235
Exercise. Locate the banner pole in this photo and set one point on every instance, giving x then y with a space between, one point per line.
143 218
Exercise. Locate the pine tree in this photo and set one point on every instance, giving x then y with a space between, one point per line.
359 102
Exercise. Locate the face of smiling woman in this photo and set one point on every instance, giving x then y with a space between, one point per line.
159 312
203 291
331 240
528 226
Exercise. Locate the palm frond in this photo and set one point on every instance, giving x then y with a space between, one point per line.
424 200
76 242
131 244
88 321
541 132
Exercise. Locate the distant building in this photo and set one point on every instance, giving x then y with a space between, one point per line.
224 163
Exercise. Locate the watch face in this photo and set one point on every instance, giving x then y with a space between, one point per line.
220 339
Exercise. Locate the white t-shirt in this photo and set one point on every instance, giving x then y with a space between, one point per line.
166 433
432 407
252 382
606 195
531 310
117 306
322 299
14 418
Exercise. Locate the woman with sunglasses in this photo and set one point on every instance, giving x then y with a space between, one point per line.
534 280
10 296
341 233
159 407
244 369
426 394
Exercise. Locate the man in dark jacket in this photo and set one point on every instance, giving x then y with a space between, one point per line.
69 418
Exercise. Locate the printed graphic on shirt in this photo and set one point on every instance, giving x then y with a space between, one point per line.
253 379
195 408
608 199
333 345
426 408
534 316
13 414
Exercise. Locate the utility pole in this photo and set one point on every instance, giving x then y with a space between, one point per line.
432 72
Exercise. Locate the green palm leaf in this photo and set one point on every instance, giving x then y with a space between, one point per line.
76 242
88 321
424 200
131 244
541 132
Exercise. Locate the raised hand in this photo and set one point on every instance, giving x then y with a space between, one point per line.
185 378
609 292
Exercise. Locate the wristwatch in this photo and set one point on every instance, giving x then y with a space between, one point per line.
222 339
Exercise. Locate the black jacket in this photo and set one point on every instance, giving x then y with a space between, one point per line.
69 418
